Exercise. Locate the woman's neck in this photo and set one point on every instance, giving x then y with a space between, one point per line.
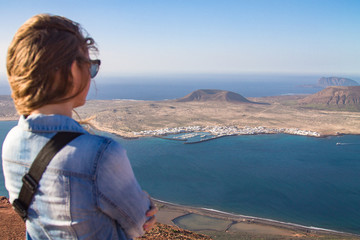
59 108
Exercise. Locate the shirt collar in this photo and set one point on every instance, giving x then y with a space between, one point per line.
49 123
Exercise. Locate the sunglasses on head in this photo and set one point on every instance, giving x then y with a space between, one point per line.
94 67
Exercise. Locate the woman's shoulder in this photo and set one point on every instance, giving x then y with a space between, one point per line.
86 152
96 137
108 143
110 151
13 138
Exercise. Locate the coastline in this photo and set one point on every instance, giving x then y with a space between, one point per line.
214 224
160 133
170 212
215 131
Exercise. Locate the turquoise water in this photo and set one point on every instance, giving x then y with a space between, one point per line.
304 180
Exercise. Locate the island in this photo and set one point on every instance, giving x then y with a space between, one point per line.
332 111
324 82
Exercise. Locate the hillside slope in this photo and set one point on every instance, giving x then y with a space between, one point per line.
335 96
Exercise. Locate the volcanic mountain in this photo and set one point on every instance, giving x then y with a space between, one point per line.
339 95
205 95
336 81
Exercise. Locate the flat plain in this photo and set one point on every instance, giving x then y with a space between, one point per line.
124 117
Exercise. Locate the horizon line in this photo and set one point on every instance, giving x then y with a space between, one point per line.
3 78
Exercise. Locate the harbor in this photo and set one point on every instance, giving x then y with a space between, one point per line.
198 134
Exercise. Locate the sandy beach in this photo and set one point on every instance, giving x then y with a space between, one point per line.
221 225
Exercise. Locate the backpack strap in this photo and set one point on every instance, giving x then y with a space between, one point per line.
42 160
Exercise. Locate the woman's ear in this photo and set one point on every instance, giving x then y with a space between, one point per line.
76 75
81 83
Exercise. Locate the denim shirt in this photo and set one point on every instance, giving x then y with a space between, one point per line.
88 190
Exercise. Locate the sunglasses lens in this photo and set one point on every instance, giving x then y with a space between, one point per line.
94 68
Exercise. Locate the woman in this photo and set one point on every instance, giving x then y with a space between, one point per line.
88 190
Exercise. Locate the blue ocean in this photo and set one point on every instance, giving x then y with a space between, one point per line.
171 87
297 179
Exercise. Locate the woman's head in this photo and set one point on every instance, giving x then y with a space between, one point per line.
39 61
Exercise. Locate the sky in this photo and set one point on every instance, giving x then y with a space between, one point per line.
143 37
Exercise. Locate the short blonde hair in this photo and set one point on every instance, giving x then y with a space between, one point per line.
39 61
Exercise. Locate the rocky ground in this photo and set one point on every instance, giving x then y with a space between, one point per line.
164 232
11 225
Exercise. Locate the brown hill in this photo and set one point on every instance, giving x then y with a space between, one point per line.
336 96
204 95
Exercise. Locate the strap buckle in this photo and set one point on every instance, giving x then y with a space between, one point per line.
30 183
20 209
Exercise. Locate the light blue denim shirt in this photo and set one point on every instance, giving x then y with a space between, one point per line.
88 190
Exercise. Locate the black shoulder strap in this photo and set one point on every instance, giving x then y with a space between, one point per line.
42 160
